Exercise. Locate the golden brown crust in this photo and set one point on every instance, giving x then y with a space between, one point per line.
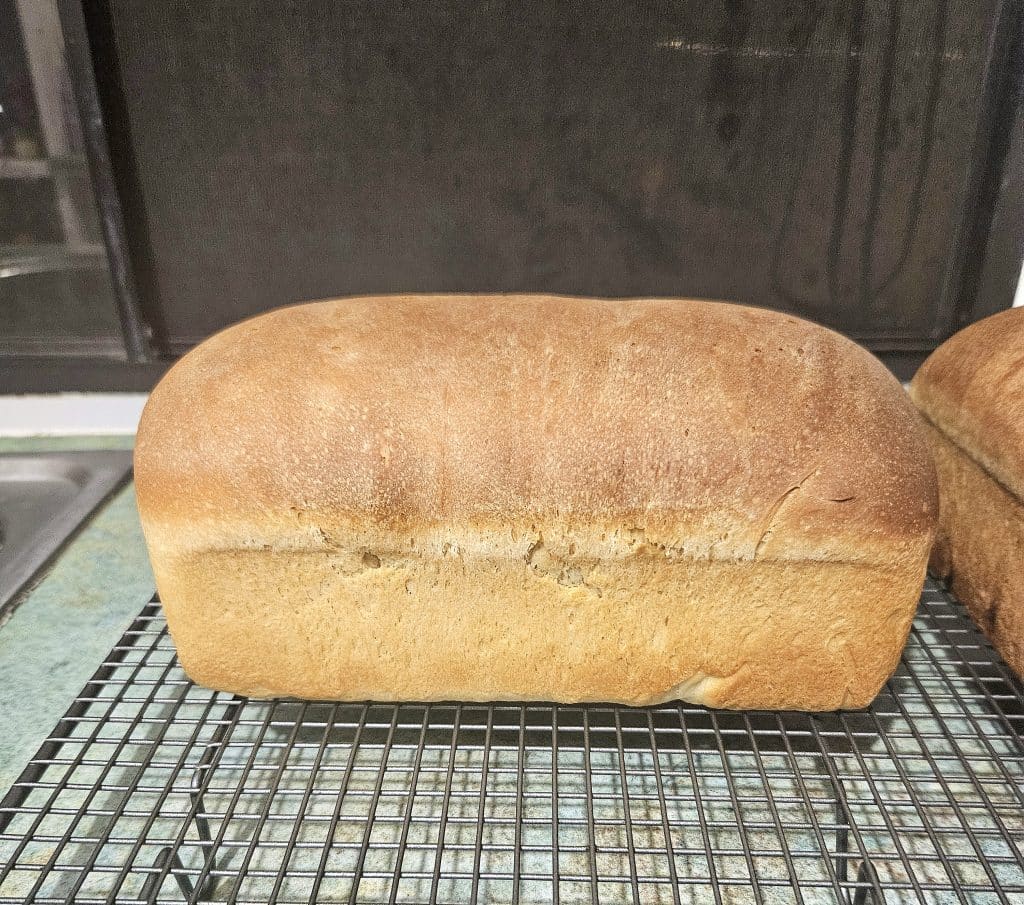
980 547
589 499
784 635
733 432
972 389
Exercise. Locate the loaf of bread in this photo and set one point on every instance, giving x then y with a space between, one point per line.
971 391
536 498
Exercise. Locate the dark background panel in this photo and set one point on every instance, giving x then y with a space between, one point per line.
817 157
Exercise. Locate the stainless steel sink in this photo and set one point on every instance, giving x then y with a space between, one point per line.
44 497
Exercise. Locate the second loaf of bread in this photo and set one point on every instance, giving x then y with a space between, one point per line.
971 391
501 497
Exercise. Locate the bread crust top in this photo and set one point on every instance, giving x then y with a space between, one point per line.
971 388
718 431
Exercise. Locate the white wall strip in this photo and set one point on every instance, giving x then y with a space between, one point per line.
70 413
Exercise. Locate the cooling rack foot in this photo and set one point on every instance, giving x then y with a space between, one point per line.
867 883
167 860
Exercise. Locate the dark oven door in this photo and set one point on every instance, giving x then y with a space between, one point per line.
843 161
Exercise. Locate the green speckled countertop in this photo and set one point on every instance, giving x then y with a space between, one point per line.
63 627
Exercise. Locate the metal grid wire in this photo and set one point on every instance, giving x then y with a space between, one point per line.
152 789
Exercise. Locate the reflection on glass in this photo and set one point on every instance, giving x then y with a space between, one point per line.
56 296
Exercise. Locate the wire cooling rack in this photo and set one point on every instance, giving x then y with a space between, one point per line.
152 789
